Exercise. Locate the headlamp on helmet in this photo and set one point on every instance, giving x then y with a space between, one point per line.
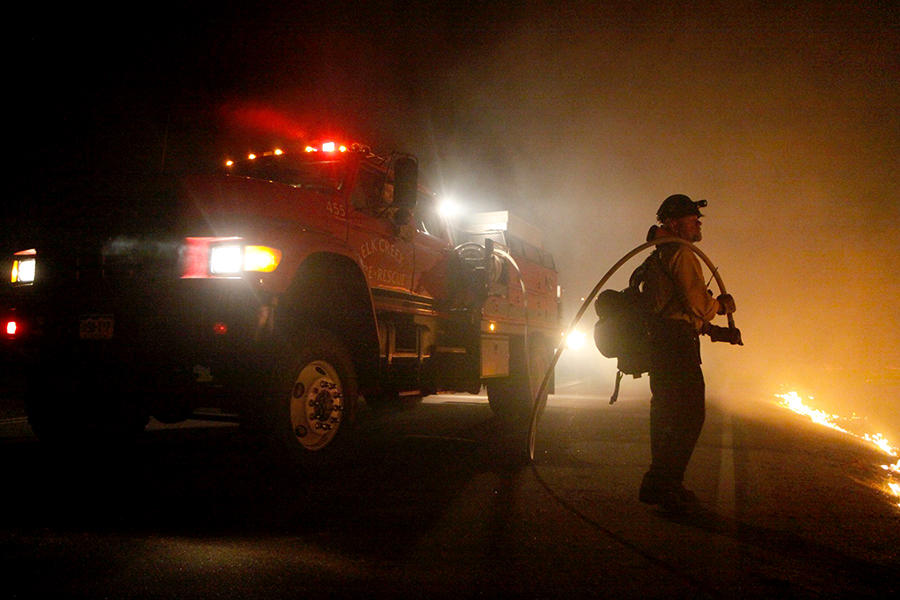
677 206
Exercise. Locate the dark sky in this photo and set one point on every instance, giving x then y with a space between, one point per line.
582 116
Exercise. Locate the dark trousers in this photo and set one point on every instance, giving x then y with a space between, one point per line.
677 405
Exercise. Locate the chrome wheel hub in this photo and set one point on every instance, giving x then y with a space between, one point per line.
317 405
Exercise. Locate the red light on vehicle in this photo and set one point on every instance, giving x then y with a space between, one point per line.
11 328
220 328
327 147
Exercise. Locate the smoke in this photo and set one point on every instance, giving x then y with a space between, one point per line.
586 117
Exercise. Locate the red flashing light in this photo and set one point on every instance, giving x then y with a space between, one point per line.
327 147
11 328
220 328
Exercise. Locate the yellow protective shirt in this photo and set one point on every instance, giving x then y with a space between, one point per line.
680 291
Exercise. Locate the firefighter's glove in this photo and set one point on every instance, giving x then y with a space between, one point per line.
726 304
732 335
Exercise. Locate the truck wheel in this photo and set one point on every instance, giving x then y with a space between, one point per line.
313 397
510 398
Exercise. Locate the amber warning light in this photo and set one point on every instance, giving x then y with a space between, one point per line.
325 147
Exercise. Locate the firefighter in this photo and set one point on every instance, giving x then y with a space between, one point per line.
679 296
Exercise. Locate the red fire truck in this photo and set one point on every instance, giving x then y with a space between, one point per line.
292 286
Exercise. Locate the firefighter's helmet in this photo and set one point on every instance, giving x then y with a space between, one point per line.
677 206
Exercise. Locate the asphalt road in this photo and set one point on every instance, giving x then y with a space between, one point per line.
432 506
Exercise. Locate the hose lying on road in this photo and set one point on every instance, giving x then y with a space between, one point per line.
536 405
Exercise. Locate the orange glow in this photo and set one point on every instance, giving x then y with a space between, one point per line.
229 163
262 259
792 401
278 152
251 156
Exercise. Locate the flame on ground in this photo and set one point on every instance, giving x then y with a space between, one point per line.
794 402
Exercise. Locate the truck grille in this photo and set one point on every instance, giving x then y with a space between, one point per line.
120 261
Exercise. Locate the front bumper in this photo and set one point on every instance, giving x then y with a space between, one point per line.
185 344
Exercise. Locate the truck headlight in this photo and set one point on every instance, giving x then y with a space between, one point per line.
232 259
23 267
576 340
225 259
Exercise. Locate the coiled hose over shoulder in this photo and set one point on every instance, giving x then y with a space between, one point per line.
536 405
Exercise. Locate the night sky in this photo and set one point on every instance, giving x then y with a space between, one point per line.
581 116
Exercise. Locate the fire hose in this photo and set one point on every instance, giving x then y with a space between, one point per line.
537 405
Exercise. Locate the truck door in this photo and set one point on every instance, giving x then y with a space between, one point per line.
433 248
387 259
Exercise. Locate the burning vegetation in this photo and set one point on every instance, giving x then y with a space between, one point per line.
792 401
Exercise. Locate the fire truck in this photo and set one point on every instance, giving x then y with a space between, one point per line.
290 288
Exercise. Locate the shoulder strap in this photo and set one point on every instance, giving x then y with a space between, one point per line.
655 258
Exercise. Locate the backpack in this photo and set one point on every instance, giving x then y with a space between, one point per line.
622 330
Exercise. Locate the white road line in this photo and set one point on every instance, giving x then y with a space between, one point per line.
725 499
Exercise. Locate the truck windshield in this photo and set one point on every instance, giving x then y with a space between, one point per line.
323 175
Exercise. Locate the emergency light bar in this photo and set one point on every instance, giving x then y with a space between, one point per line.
253 156
327 147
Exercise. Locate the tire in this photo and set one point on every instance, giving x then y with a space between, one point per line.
312 398
510 398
